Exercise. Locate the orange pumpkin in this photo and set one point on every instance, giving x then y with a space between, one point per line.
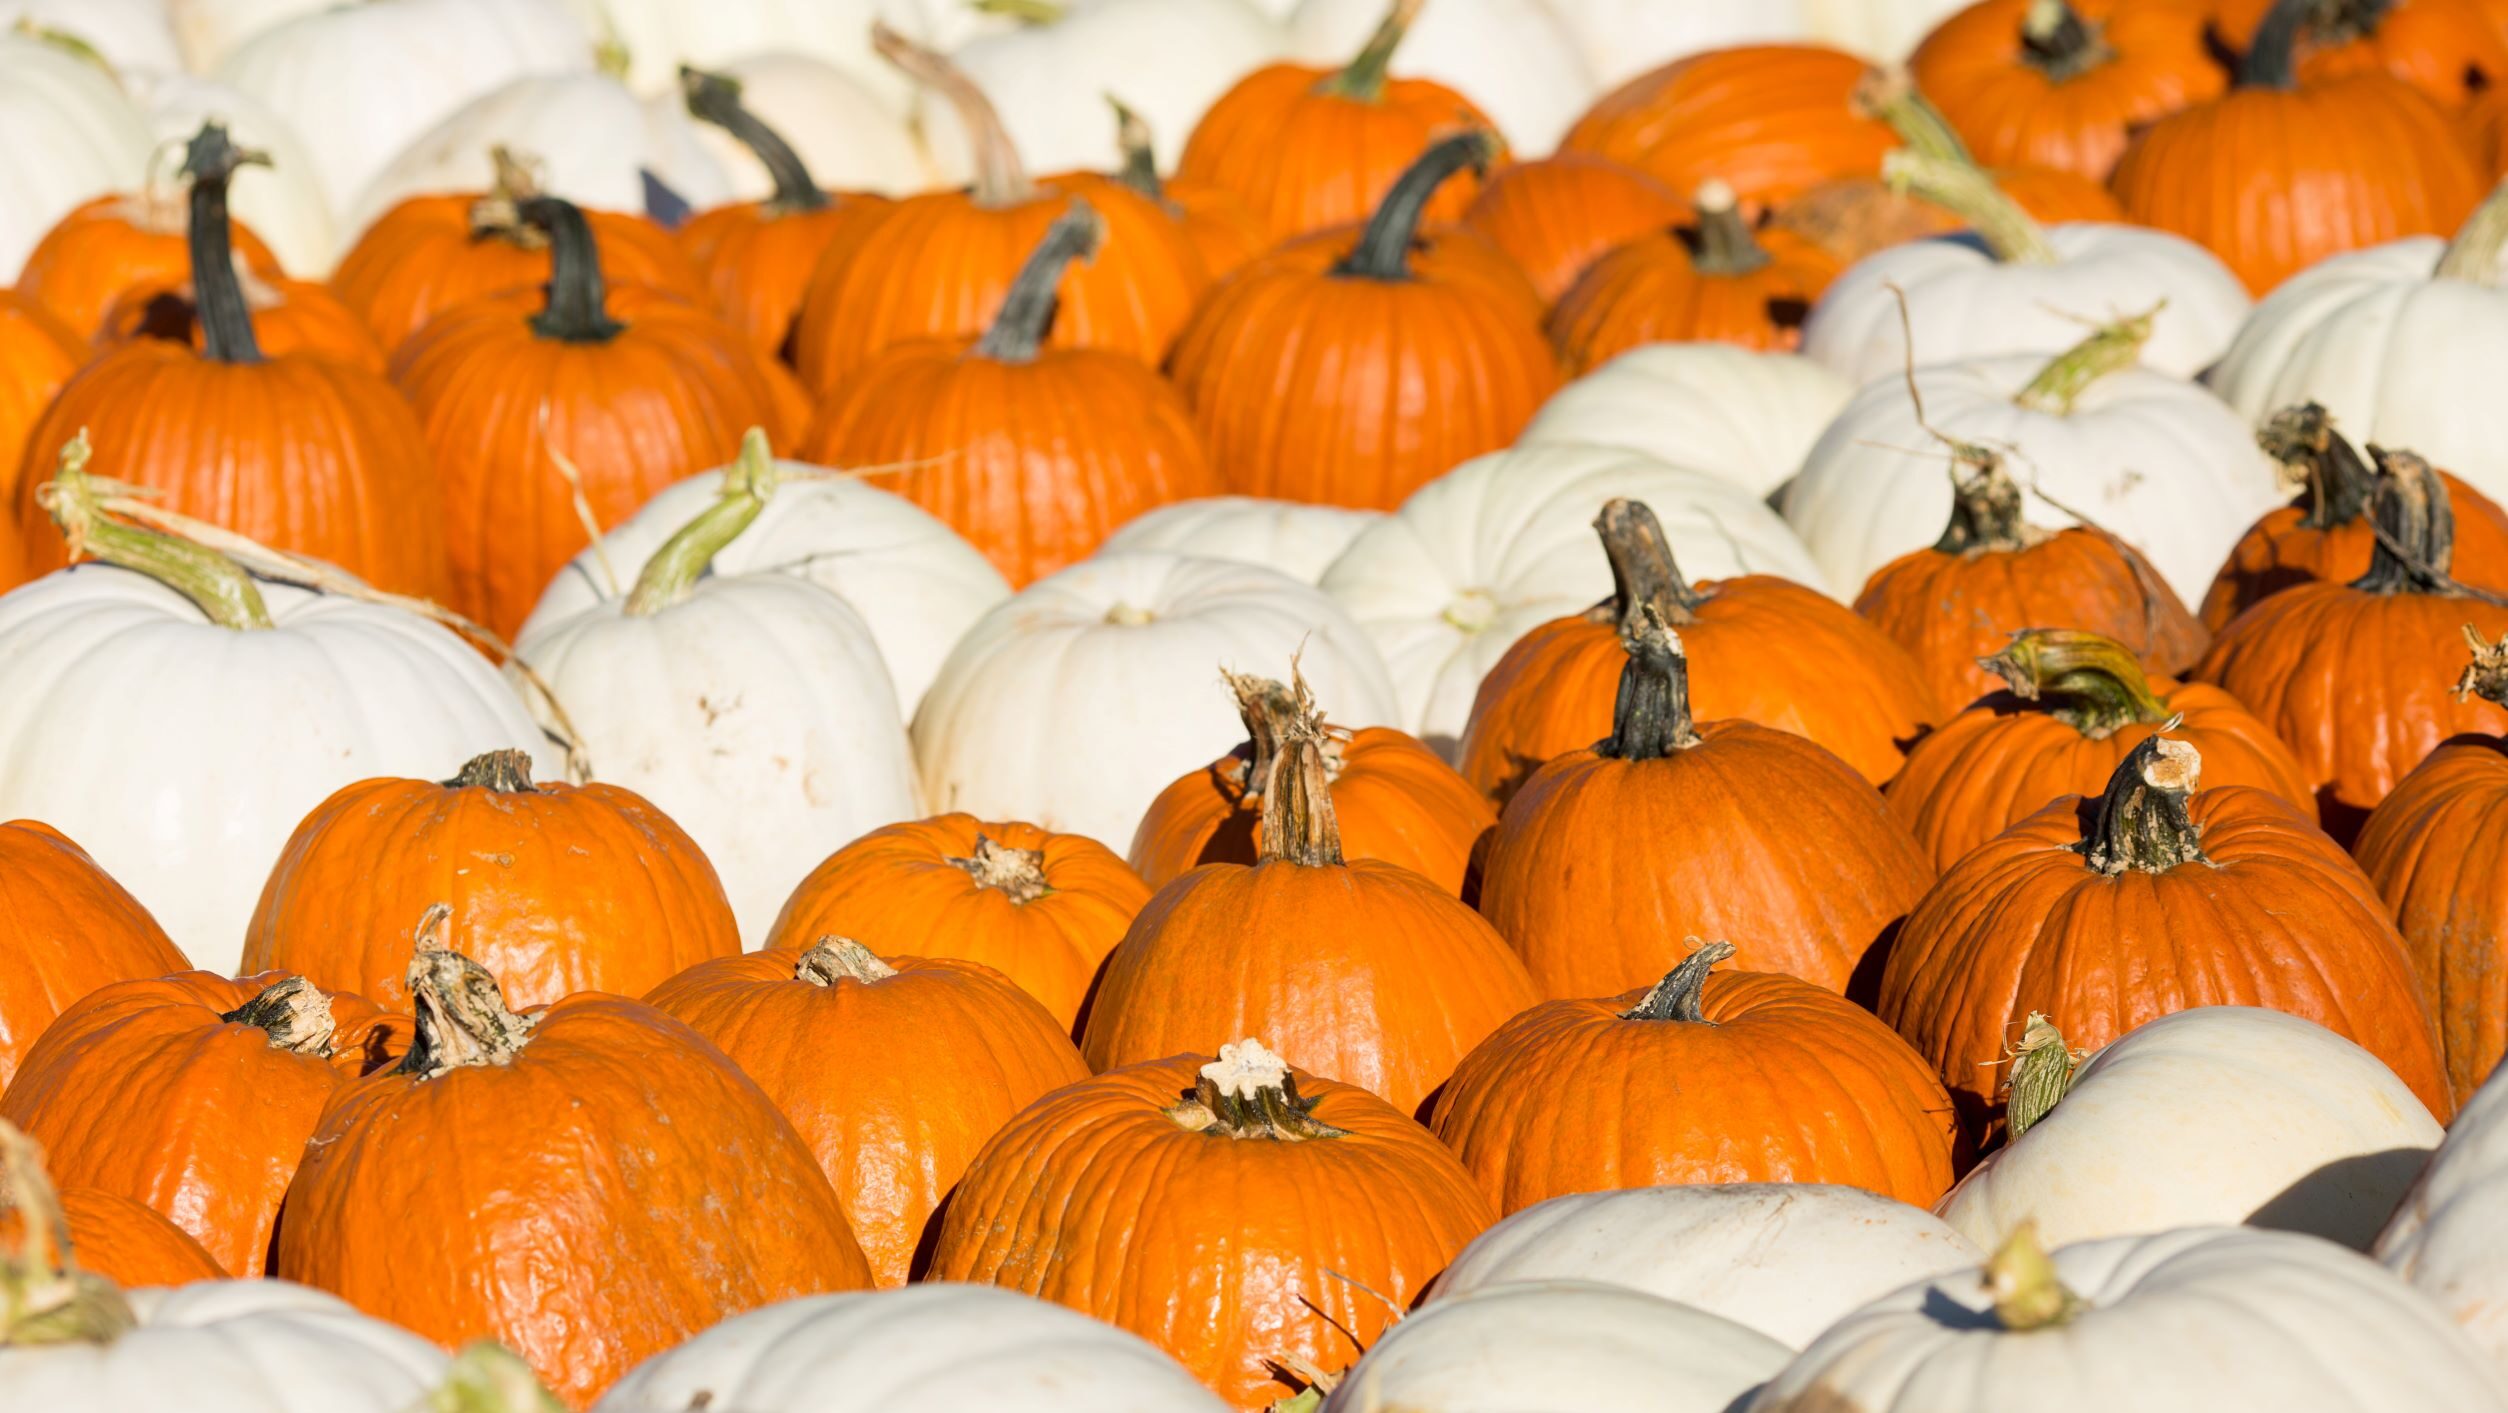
1224 232
108 246
2452 50
1770 120
1734 1077
69 930
2484 123
289 316
38 353
1554 218
125 1242
1710 280
1248 1219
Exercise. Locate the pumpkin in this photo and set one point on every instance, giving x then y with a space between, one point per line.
1714 280
2150 898
2380 161
647 40
893 1072
111 245
2076 705
2452 50
1554 218
1772 652
1514 58
289 316
1772 121
296 450
127 1243
1222 230
1783 1258
2444 1238
602 1144
1957 602
37 355
1663 829
78 135
71 930
1401 364
1355 967
1734 1077
1294 538
1265 1198
2216 1116
1745 415
1394 800
284 202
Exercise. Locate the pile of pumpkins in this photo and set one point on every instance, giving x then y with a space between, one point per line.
1478 705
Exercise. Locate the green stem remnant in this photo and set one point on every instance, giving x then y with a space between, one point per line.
576 310
715 98
1966 191
2473 256
2042 1072
1383 251
2140 823
45 1299
671 575
217 585
1679 995
1027 311
2027 1293
2111 348
1721 244
1362 80
1248 1092
2093 684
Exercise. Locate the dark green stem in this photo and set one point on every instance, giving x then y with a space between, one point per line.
1722 243
1384 248
1027 311
1677 996
2272 57
2140 823
715 98
2058 43
226 320
2416 530
1363 78
1650 719
577 308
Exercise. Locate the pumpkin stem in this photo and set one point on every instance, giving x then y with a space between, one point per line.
294 1014
2272 57
1020 873
1383 251
216 585
2057 42
1299 824
498 211
1269 710
715 98
1721 242
2473 256
1027 311
2336 484
1677 996
671 575
2042 1072
2110 348
2093 684
2416 529
462 1018
1650 718
576 306
1026 12
1001 179
1965 190
1644 574
1249 1092
834 959
486 1377
44 1297
2139 823
2487 675
2027 1293
1985 510
1140 154
507 772
226 319
1362 80
1889 96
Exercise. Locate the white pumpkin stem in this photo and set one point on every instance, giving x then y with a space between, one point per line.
2043 1069
217 585
2473 256
1250 1093
498 211
1679 995
2028 1295
1001 178
2110 348
486 1377
294 1013
1018 873
1889 96
671 575
1363 78
834 959
1966 191
44 1297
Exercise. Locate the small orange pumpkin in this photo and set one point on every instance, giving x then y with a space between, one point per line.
1224 232
1711 280
38 353
1554 218
1771 120
126 1242
289 316
101 250
71 930
2452 50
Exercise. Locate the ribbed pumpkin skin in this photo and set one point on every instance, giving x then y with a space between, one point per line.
757 262
560 889
289 316
1214 1249
1396 800
2451 50
1950 609
69 930
1224 233
1303 160
111 244
2280 918
126 1242
895 891
1761 649
2279 551
615 1189
2002 760
2434 850
1772 120
1650 290
140 1090
1601 867
894 1084
38 353
1785 1082
1557 216
421 258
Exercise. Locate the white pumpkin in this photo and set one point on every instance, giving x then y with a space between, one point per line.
206 31
913 581
752 708
1297 539
655 37
67 134
1622 39
1075 702
2209 1117
1785 1259
284 202
1746 416
1513 58
2450 1236
2193 1321
1504 543
1564 1345
935 1348
134 37
1884 31
850 138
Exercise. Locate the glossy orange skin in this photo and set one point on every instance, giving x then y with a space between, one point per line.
1556 217
289 316
2013 113
2278 552
1601 868
564 889
2434 851
1035 463
1396 801
1650 290
1760 649
669 397
1947 610
69 930
1361 970
1304 160
101 249
895 891
757 262
126 1242
140 1090
893 1083
38 353
2484 123
1226 1253
2279 917
1785 1082
2273 182
937 266
2003 759
615 1189
1771 120
1224 233
2452 50
421 258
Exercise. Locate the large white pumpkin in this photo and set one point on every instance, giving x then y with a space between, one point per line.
1297 539
1747 416
134 37
67 134
1622 39
2450 1236
1504 543
657 36
937 1348
1075 702
285 202
849 137
1564 1345
1513 58
1785 1259
206 31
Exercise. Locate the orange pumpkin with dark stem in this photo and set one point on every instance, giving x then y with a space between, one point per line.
1770 120
1393 799
94 255
1730 1077
299 452
2452 50
1401 363
1759 649
1554 218
1248 1219
2150 898
1992 574
1042 909
124 1241
1710 280
38 353
1352 967
289 316
893 1073
69 930
1223 230
588 1185
2078 704
1035 455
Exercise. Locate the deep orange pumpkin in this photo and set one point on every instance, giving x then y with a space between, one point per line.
38 353
1709 280
2452 50
1556 217
108 246
1223 230
126 1242
1770 120
289 316
69 930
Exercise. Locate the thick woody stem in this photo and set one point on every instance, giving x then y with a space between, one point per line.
1250 1093
506 772
1363 78
1650 719
1018 873
577 306
225 316
2057 42
2487 675
2416 530
1299 825
2336 484
1383 251
462 1018
2091 683
1133 141
1678 996
2140 823
1985 509
834 959
2272 57
1722 243
1027 311
1644 574
294 1014
715 98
